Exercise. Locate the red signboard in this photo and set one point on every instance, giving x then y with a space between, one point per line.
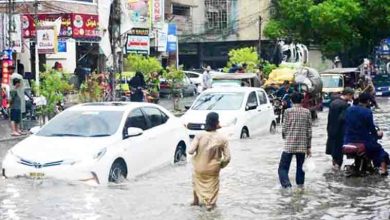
6 71
85 26
28 25
78 26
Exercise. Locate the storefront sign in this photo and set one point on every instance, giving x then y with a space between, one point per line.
138 41
162 38
78 26
46 40
6 71
139 12
62 46
28 25
85 26
158 11
172 38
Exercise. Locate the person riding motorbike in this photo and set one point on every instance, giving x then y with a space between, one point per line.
137 85
360 128
284 93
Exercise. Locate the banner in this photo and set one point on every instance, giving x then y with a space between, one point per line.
138 11
138 41
162 38
47 40
6 71
85 26
158 12
172 38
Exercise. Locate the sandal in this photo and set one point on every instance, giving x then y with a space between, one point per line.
16 134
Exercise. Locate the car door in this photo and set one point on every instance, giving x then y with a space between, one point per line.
266 111
162 136
253 121
137 148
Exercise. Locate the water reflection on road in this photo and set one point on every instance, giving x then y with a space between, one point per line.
249 190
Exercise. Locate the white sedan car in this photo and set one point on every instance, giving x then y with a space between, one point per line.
100 143
243 112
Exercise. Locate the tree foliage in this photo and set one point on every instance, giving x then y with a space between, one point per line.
246 55
53 86
347 28
146 65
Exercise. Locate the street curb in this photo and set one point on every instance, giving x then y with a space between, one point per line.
13 138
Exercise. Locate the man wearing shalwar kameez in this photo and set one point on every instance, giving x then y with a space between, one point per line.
211 155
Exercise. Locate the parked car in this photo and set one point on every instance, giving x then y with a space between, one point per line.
185 88
100 143
196 78
382 84
243 111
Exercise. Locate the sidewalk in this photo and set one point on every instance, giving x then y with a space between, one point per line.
5 130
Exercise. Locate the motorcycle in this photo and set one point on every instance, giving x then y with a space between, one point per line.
361 165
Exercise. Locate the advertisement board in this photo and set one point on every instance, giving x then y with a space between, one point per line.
46 40
172 38
85 26
28 26
138 41
139 12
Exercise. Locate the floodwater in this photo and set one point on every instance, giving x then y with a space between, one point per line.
249 189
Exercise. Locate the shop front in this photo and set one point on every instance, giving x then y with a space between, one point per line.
76 42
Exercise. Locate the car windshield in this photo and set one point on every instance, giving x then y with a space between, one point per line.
381 81
332 81
83 124
219 101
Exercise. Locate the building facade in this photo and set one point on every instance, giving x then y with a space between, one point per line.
208 29
78 37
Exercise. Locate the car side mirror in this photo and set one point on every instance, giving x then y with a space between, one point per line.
187 107
250 107
35 129
133 132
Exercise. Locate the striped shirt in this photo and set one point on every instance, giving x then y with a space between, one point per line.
297 130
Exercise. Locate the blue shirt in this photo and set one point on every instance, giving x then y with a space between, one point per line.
359 125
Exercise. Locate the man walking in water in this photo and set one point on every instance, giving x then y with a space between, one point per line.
211 154
297 133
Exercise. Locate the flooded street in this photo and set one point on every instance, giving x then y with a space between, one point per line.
249 189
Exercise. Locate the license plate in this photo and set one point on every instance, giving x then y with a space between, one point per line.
37 175
379 93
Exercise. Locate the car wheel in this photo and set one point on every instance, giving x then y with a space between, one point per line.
244 133
118 171
272 129
180 153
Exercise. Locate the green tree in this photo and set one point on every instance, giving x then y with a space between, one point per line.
90 91
348 28
174 77
146 65
53 86
246 55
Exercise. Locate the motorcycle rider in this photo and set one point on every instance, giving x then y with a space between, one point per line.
284 93
360 128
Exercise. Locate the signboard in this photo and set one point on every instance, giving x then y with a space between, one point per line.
78 26
85 26
46 40
172 38
16 33
139 12
162 38
158 12
138 41
28 26
62 46
6 71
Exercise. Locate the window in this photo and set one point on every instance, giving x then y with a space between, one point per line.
252 99
155 116
192 75
136 119
181 10
262 97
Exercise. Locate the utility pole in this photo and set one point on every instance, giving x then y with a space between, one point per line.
36 22
9 23
259 43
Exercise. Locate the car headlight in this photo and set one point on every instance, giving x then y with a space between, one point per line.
230 123
100 154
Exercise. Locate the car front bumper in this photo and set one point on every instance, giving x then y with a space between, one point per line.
81 171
